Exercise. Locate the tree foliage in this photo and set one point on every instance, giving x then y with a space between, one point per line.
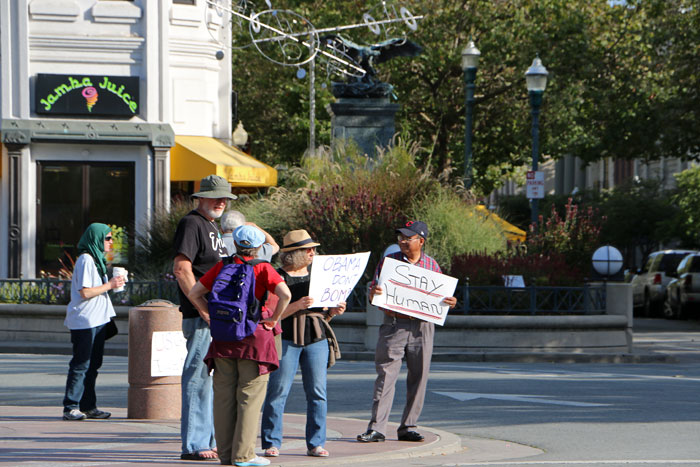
623 82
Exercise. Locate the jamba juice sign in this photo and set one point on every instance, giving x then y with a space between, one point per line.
97 95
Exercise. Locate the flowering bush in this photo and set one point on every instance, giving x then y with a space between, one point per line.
539 270
575 236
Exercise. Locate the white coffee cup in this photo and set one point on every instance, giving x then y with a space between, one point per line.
118 271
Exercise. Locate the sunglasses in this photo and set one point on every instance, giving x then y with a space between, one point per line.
108 239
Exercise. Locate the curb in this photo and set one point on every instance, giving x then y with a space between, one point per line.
447 443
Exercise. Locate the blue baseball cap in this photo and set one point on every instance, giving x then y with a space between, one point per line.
248 236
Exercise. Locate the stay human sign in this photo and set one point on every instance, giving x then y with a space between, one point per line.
334 276
414 291
92 95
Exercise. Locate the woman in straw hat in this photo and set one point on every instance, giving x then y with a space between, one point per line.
306 338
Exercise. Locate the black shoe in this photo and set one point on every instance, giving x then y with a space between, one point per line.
370 436
411 436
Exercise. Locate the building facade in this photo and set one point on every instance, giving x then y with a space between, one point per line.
106 106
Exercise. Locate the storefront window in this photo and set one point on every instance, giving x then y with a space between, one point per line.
72 195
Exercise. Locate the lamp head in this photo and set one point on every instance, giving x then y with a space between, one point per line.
536 76
470 56
240 136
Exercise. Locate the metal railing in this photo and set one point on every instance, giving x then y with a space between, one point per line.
589 299
57 292
533 300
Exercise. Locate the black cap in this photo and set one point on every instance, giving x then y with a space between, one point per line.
412 228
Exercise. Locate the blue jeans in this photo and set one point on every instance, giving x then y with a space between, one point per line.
88 349
197 418
314 362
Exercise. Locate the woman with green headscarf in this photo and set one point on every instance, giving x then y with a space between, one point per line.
89 310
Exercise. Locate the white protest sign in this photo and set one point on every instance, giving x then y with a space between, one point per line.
334 276
168 352
414 291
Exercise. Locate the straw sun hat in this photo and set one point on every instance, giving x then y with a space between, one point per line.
297 239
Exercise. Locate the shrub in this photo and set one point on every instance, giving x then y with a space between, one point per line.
154 251
456 228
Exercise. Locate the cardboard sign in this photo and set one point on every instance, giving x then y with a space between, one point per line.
168 352
414 291
334 276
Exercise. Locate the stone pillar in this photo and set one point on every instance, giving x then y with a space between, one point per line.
368 122
618 301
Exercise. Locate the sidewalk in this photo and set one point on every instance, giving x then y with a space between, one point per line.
37 435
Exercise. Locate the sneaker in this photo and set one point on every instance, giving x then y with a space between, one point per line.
97 413
257 460
74 414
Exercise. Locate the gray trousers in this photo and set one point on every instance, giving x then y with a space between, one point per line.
399 338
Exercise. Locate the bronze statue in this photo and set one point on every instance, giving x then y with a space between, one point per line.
367 85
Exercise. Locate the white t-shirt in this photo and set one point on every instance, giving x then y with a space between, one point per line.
90 313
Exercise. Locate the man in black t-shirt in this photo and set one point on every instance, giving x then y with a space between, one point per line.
198 247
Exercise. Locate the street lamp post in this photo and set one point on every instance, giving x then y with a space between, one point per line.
536 78
470 62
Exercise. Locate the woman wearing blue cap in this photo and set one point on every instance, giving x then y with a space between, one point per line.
89 310
241 368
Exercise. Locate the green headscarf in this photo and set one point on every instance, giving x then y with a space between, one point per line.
93 243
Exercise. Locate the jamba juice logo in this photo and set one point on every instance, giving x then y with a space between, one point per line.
90 94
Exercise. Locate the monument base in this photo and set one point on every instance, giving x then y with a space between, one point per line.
366 121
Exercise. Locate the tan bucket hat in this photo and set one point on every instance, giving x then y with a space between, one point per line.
297 239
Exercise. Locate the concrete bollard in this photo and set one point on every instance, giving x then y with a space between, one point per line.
151 397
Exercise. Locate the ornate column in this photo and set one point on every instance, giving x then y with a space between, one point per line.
163 140
14 141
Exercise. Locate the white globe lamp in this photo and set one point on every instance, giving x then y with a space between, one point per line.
607 261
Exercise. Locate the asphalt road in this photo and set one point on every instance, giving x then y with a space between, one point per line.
574 414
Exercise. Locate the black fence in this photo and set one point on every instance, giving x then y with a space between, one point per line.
472 300
475 300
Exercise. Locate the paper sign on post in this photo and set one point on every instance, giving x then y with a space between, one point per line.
168 352
334 276
414 291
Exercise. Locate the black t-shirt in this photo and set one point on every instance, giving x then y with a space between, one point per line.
199 240
299 287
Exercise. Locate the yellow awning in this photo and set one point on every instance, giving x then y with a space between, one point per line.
194 157
512 233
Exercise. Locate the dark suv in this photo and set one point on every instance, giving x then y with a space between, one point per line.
649 285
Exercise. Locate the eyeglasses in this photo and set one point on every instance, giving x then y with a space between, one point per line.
312 249
402 238
108 239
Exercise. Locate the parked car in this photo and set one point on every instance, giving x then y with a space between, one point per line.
649 285
683 292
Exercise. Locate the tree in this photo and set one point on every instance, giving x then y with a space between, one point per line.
623 82
687 198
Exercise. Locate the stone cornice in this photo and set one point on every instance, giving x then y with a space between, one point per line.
16 131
